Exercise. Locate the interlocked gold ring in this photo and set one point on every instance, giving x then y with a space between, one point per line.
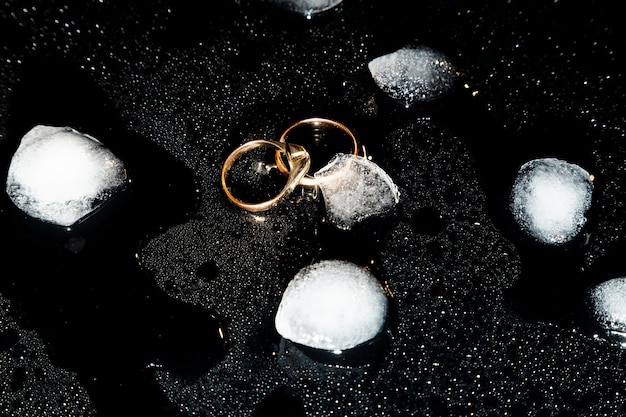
309 180
297 158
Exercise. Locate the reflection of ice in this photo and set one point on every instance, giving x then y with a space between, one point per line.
549 199
59 175
332 305
355 188
608 308
413 74
307 7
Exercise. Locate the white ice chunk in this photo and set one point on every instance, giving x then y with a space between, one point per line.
355 188
608 307
332 305
549 199
59 175
413 74
307 8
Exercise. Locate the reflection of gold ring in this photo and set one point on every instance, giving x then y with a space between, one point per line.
297 158
309 180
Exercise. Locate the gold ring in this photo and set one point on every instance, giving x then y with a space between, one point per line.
309 180
297 158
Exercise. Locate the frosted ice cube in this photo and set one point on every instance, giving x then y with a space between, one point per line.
549 199
60 175
307 8
355 188
608 307
332 305
413 74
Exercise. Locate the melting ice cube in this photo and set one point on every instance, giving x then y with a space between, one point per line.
549 199
607 302
59 175
332 305
355 188
413 74
307 8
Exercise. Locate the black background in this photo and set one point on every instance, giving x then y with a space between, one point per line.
172 87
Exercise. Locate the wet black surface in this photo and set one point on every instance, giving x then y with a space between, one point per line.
162 303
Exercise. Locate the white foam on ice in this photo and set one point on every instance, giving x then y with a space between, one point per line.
413 74
549 199
355 188
60 175
332 305
307 7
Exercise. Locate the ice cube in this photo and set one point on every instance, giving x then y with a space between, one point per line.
355 188
607 302
332 305
59 175
413 74
549 199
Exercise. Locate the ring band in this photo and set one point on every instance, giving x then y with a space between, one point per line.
298 160
308 180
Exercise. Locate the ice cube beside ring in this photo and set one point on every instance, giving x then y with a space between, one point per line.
298 160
